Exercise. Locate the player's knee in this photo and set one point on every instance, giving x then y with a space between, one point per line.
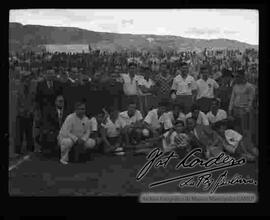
90 143
66 143
138 131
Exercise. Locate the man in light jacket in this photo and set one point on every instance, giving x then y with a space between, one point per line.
75 130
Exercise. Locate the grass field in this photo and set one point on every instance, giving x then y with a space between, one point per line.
106 175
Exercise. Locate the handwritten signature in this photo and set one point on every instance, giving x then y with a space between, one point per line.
156 158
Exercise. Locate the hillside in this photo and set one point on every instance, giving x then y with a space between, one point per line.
34 35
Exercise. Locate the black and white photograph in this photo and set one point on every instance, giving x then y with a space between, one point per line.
157 104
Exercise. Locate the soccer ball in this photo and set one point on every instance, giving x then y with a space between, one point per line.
173 96
145 132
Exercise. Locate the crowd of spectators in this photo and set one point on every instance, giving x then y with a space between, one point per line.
112 101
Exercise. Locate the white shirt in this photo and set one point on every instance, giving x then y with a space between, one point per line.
71 80
202 118
169 119
50 84
130 85
206 88
153 120
146 83
233 138
113 128
93 124
217 75
129 120
171 145
59 111
75 128
221 115
183 86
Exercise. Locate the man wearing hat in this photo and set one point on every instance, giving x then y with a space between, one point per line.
184 88
240 106
24 119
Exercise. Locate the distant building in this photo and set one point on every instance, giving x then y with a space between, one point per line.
67 48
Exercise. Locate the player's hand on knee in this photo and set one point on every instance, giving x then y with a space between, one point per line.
80 141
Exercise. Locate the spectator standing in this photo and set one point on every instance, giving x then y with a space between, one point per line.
225 89
146 91
51 124
184 88
130 85
241 103
206 90
163 83
24 119
47 91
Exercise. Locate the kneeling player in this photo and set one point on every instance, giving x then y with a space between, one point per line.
132 120
75 131
112 133
156 118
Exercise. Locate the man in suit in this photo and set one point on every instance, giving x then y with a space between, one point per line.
52 122
47 91
24 119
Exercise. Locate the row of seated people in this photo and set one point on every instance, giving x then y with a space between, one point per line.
166 126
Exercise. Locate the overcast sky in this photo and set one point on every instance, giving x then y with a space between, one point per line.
242 25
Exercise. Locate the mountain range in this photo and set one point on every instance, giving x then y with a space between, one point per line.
32 36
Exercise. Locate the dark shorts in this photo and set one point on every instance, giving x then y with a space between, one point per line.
185 101
204 104
127 99
113 140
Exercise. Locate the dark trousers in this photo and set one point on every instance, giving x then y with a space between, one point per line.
147 102
24 127
242 121
116 101
185 101
78 153
49 144
127 99
204 104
